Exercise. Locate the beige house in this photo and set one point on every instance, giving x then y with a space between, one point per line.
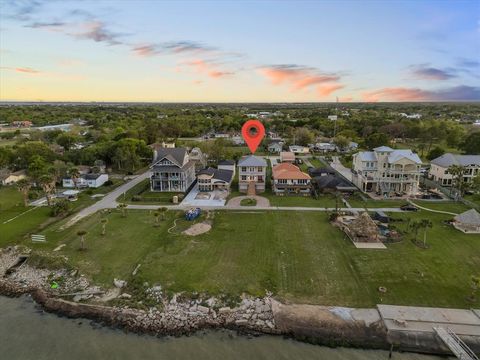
252 173
386 171
211 179
439 168
8 178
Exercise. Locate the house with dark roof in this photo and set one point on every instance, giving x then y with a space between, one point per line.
252 172
210 179
288 179
439 168
227 165
172 170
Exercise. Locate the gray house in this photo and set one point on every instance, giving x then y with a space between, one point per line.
172 170
252 173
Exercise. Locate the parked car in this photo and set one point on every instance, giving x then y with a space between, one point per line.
408 207
298 161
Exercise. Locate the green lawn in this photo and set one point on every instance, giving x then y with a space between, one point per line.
297 255
317 163
11 205
145 196
323 201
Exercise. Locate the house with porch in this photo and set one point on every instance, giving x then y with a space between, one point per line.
172 170
288 179
387 172
439 168
211 179
252 173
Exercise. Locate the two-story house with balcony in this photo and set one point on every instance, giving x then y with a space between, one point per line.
439 168
252 172
386 171
172 170
288 179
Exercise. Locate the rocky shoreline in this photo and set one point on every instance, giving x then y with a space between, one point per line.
156 314
171 316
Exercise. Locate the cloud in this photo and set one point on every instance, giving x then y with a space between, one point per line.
97 31
302 77
468 63
326 90
25 70
52 25
425 72
209 68
456 93
21 10
172 47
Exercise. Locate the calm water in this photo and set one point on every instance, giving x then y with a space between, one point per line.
28 333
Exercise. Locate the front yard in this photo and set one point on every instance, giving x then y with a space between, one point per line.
297 255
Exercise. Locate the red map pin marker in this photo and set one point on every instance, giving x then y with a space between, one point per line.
253 133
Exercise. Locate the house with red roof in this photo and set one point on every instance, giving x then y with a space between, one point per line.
288 179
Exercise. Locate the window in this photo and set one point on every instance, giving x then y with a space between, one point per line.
244 177
260 169
260 178
244 168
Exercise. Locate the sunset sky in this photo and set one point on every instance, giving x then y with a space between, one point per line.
242 51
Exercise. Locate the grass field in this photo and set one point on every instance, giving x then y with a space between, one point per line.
297 255
146 196
11 205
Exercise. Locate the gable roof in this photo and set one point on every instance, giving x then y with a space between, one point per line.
288 171
252 160
396 155
175 155
383 149
470 217
367 156
449 159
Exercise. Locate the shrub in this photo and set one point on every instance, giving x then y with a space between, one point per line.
60 207
108 183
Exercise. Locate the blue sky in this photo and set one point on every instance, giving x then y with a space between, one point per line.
240 51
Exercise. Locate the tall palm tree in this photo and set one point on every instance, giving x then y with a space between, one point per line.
425 224
457 173
47 183
24 186
123 208
104 222
75 175
82 234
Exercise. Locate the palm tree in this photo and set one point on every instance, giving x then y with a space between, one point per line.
414 226
74 174
457 173
47 183
123 208
163 210
425 224
82 234
156 214
24 186
104 224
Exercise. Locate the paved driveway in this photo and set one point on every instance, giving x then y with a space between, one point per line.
261 202
109 201
190 199
345 172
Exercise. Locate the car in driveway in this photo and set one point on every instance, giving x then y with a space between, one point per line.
408 207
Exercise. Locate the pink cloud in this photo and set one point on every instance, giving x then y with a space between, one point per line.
25 70
395 94
210 69
299 78
327 89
